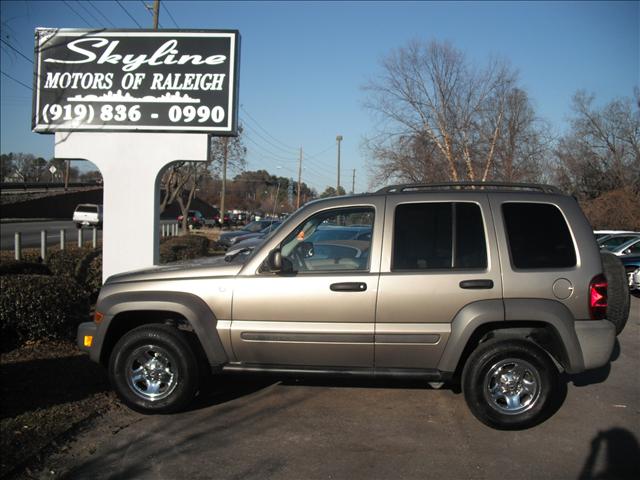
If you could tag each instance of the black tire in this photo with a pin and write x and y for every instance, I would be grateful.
(618, 301)
(164, 361)
(500, 359)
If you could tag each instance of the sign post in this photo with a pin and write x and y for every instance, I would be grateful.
(132, 102)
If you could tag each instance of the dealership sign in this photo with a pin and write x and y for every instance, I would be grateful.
(147, 81)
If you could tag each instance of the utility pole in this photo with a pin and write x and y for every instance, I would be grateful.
(338, 139)
(223, 191)
(66, 174)
(299, 178)
(353, 182)
(156, 13)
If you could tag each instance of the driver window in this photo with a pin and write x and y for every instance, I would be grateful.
(332, 240)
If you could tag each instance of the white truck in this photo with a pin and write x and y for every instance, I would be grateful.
(88, 214)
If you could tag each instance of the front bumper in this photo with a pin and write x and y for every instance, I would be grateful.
(596, 338)
(85, 330)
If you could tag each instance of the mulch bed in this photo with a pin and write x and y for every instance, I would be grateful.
(48, 390)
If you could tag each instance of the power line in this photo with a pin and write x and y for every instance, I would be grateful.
(127, 12)
(265, 131)
(15, 80)
(146, 7)
(101, 14)
(267, 140)
(269, 152)
(166, 9)
(74, 11)
(315, 155)
(81, 5)
(16, 50)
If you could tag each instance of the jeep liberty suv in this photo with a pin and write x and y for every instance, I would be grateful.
(497, 286)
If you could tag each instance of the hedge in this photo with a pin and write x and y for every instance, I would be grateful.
(14, 267)
(65, 262)
(36, 307)
(185, 247)
(28, 255)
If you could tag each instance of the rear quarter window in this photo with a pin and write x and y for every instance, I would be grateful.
(538, 236)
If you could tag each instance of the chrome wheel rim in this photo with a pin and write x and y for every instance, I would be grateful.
(512, 386)
(151, 373)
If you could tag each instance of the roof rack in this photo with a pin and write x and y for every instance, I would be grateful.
(470, 186)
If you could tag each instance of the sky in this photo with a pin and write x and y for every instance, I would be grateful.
(303, 64)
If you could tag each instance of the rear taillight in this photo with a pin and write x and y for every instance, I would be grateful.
(598, 297)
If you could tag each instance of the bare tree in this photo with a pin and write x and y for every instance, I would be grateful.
(28, 168)
(182, 180)
(601, 151)
(440, 116)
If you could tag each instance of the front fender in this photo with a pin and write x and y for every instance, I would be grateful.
(191, 307)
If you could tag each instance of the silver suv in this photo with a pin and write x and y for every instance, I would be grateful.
(497, 286)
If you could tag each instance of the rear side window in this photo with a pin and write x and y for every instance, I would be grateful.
(538, 236)
(438, 236)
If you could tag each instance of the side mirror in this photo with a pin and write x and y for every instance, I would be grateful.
(274, 261)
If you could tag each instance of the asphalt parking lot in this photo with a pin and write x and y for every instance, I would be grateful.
(301, 428)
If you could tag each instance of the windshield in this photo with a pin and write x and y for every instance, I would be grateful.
(254, 227)
(87, 208)
(614, 242)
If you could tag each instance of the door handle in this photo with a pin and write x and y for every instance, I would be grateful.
(348, 287)
(476, 284)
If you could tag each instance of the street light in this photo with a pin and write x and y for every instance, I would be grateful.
(338, 139)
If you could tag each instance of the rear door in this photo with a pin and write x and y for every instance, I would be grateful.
(439, 255)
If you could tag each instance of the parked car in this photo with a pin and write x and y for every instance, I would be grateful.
(631, 265)
(88, 214)
(195, 219)
(247, 243)
(497, 289)
(603, 234)
(631, 247)
(613, 242)
(634, 280)
(261, 234)
(254, 227)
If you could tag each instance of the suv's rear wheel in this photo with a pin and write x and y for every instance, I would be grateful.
(154, 370)
(509, 383)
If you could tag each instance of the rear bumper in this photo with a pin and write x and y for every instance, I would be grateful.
(596, 338)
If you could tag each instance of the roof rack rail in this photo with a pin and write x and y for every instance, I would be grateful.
(470, 186)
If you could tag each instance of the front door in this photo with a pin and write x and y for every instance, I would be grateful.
(323, 312)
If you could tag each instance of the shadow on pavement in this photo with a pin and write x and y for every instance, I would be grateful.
(618, 452)
(173, 441)
(226, 388)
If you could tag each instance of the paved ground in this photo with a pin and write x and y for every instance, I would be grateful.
(256, 428)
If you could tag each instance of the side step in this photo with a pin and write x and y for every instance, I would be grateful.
(430, 375)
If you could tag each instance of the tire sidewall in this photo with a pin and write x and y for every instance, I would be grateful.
(477, 368)
(171, 340)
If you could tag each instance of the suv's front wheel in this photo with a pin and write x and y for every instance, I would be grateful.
(509, 384)
(154, 370)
